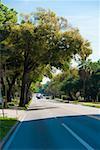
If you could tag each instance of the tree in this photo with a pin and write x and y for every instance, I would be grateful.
(43, 37)
(7, 18)
(71, 83)
(11, 64)
(85, 52)
(22, 38)
(47, 39)
(84, 70)
(92, 90)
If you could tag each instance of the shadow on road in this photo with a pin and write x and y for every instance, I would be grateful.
(41, 108)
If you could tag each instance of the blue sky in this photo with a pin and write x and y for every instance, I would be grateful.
(83, 14)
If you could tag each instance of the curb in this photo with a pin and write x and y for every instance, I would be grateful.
(8, 135)
(10, 132)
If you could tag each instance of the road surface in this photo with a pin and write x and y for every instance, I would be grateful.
(48, 125)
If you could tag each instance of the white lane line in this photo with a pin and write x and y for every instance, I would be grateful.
(77, 137)
(94, 117)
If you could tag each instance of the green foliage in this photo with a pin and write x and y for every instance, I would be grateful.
(27, 105)
(34, 88)
(90, 75)
(54, 87)
(31, 48)
(7, 15)
(48, 71)
(73, 83)
(97, 105)
(14, 102)
(7, 18)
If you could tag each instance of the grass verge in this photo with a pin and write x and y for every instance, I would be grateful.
(75, 102)
(91, 104)
(27, 105)
(5, 125)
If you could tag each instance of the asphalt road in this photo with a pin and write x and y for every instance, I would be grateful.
(50, 126)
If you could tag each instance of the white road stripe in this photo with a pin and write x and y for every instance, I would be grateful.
(94, 117)
(77, 137)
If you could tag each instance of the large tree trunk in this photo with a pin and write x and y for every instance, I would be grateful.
(70, 95)
(27, 69)
(84, 94)
(9, 91)
(24, 79)
(27, 91)
(9, 95)
(3, 86)
(23, 89)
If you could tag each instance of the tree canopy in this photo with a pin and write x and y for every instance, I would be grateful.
(30, 49)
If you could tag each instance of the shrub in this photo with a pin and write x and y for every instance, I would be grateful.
(10, 104)
(64, 97)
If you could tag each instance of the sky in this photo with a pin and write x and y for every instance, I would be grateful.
(83, 14)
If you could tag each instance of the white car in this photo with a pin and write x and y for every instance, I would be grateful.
(39, 96)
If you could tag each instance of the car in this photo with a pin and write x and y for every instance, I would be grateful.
(47, 97)
(39, 96)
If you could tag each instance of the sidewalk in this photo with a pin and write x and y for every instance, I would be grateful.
(12, 113)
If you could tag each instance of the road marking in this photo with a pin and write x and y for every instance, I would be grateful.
(94, 117)
(77, 137)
